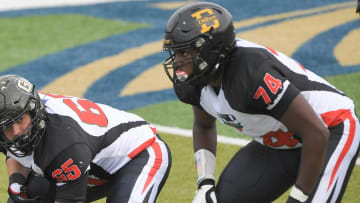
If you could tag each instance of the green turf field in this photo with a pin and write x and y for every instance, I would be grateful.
(181, 184)
(27, 38)
(21, 42)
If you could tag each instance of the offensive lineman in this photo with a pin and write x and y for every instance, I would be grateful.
(85, 150)
(305, 131)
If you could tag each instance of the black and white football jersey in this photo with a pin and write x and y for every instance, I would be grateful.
(258, 86)
(81, 138)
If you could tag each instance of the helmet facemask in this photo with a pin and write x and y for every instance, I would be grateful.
(205, 27)
(200, 66)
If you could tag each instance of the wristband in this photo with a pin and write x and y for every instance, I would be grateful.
(17, 178)
(298, 194)
(205, 162)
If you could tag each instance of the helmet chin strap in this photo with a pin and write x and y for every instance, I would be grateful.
(215, 73)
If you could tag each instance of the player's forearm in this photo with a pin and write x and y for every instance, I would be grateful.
(312, 159)
(15, 167)
(205, 138)
(204, 131)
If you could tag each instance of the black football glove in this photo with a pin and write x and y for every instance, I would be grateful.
(206, 192)
(17, 190)
(358, 7)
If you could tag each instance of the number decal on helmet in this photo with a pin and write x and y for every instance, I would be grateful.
(203, 20)
(24, 85)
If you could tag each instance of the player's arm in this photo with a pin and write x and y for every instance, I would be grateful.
(17, 181)
(69, 170)
(301, 119)
(14, 166)
(204, 141)
(204, 131)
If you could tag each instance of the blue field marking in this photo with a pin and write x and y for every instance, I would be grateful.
(315, 54)
(46, 69)
(104, 89)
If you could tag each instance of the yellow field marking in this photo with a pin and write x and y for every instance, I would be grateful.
(145, 82)
(347, 52)
(76, 82)
(288, 36)
(170, 5)
(263, 19)
(285, 36)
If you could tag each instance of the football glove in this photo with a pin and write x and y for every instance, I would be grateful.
(17, 190)
(358, 7)
(297, 196)
(206, 192)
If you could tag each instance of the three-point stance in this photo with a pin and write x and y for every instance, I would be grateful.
(305, 131)
(77, 150)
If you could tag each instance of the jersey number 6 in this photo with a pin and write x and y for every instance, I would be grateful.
(85, 109)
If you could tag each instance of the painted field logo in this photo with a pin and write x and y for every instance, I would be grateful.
(120, 68)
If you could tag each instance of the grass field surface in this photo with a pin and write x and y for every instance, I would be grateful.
(181, 184)
(46, 44)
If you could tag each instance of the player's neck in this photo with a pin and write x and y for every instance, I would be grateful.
(216, 85)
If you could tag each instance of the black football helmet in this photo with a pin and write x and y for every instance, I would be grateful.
(205, 27)
(18, 96)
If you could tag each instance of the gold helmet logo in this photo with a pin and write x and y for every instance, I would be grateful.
(166, 42)
(206, 21)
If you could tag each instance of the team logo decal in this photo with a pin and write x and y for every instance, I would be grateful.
(230, 120)
(25, 85)
(207, 19)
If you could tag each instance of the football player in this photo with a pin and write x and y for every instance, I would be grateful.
(305, 131)
(77, 150)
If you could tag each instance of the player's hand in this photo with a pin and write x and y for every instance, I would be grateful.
(17, 190)
(18, 194)
(206, 192)
(358, 7)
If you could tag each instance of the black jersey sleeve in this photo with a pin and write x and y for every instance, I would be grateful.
(70, 172)
(270, 92)
(254, 83)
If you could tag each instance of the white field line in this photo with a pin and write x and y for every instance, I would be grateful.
(220, 138)
(6, 5)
